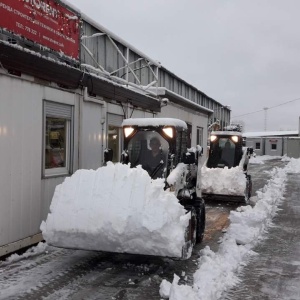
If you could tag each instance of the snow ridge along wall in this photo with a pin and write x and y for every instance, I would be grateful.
(117, 209)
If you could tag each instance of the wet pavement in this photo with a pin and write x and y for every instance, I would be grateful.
(275, 272)
(68, 274)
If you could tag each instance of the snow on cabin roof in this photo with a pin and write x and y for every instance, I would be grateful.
(154, 122)
(271, 133)
(226, 133)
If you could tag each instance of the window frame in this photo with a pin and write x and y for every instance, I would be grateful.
(69, 143)
(259, 144)
(273, 144)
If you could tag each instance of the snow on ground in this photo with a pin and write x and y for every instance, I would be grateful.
(218, 271)
(259, 159)
(33, 251)
(117, 209)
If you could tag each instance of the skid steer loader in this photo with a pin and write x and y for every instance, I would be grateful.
(177, 164)
(147, 204)
(225, 171)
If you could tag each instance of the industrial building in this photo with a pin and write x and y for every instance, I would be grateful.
(66, 85)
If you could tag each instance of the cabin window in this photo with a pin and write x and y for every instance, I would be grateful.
(257, 146)
(273, 146)
(200, 136)
(58, 119)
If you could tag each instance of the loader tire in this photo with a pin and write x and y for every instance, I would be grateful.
(200, 227)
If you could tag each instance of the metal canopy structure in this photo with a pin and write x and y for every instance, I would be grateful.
(127, 68)
(107, 55)
(17, 61)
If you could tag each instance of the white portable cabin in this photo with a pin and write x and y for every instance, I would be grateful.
(292, 147)
(257, 143)
(274, 146)
(275, 143)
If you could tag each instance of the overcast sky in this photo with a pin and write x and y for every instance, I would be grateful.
(242, 53)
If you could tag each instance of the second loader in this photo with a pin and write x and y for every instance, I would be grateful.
(224, 174)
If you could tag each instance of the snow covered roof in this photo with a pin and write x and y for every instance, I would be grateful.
(226, 133)
(271, 133)
(154, 122)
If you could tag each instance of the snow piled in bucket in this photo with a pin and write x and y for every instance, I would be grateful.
(223, 181)
(118, 209)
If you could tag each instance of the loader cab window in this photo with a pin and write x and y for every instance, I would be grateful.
(149, 150)
(222, 153)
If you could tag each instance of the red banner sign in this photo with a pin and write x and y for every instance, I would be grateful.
(45, 22)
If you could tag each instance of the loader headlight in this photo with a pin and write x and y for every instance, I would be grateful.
(213, 138)
(168, 131)
(235, 138)
(128, 131)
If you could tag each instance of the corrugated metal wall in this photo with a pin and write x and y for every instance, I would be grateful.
(179, 86)
(108, 57)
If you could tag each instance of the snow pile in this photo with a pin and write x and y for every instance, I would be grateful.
(223, 181)
(293, 166)
(33, 251)
(259, 159)
(175, 176)
(218, 271)
(118, 209)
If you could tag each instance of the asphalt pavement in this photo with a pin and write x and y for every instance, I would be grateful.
(275, 272)
(68, 274)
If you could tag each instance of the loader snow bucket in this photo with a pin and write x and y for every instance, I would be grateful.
(117, 209)
(224, 184)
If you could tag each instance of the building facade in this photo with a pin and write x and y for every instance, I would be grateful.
(66, 85)
(276, 143)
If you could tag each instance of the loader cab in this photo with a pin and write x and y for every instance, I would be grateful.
(226, 149)
(155, 144)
